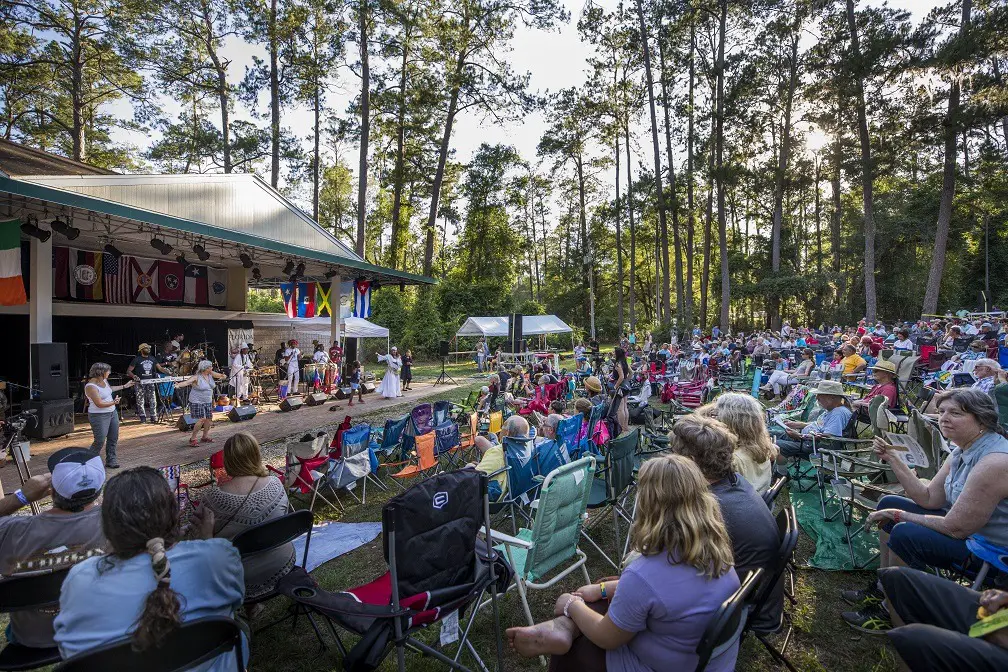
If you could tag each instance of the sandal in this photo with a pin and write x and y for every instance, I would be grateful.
(206, 439)
(193, 443)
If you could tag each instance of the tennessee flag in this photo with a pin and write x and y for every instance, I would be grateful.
(306, 299)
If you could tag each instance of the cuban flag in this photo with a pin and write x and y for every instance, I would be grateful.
(288, 291)
(362, 298)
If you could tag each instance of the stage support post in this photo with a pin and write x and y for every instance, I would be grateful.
(237, 289)
(335, 301)
(40, 299)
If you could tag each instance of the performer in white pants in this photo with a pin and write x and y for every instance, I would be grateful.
(240, 367)
(293, 366)
(391, 387)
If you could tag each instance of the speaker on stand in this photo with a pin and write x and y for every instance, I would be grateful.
(444, 378)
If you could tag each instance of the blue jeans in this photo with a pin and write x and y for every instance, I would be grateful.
(105, 427)
(918, 546)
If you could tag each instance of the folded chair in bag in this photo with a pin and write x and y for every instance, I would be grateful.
(437, 566)
(617, 478)
(553, 540)
(355, 462)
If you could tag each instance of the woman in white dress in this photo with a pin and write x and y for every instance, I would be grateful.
(391, 387)
(240, 367)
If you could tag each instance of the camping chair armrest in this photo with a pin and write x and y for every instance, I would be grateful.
(500, 471)
(507, 539)
(278, 472)
(868, 464)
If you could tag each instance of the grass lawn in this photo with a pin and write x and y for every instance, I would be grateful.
(821, 640)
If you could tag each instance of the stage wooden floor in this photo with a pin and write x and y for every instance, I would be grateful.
(163, 444)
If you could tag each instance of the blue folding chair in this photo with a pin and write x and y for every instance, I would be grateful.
(550, 456)
(567, 432)
(440, 411)
(990, 555)
(519, 460)
(447, 443)
(356, 462)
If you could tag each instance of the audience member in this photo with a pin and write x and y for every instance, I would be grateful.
(72, 524)
(251, 497)
(830, 396)
(885, 385)
(986, 373)
(150, 582)
(492, 458)
(853, 363)
(755, 451)
(653, 616)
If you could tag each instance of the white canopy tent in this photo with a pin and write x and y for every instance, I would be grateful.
(350, 327)
(532, 325)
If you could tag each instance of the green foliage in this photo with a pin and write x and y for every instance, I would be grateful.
(424, 328)
(265, 301)
(388, 308)
(458, 299)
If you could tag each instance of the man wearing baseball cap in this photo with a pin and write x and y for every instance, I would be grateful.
(72, 524)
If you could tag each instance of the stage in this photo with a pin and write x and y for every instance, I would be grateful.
(163, 444)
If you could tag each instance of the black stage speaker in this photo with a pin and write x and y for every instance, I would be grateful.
(49, 370)
(442, 348)
(185, 423)
(53, 417)
(343, 393)
(239, 413)
(368, 386)
(291, 404)
(514, 333)
(316, 398)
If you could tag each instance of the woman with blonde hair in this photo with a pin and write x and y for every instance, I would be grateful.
(251, 497)
(653, 616)
(754, 449)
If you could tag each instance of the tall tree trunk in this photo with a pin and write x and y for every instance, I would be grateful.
(867, 167)
(677, 245)
(709, 215)
(442, 161)
(948, 182)
(631, 297)
(585, 248)
(722, 225)
(619, 222)
(782, 167)
(274, 96)
(995, 61)
(77, 88)
(317, 154)
(818, 220)
(691, 213)
(837, 213)
(662, 221)
(397, 245)
(362, 166)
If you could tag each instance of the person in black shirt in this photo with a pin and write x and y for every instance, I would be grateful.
(278, 358)
(145, 367)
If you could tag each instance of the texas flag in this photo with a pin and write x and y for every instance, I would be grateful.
(306, 299)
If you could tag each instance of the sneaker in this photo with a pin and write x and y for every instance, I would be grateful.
(868, 595)
(872, 620)
(111, 465)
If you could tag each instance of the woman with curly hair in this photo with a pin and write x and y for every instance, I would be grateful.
(132, 591)
(653, 616)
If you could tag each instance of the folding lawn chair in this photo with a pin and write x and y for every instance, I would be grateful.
(30, 592)
(519, 454)
(567, 432)
(553, 540)
(448, 444)
(550, 455)
(388, 440)
(421, 422)
(422, 462)
(467, 439)
(440, 411)
(725, 628)
(437, 567)
(496, 422)
(354, 462)
(990, 556)
(618, 476)
(305, 470)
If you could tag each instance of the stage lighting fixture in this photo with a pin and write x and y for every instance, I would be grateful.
(161, 246)
(113, 250)
(299, 271)
(181, 259)
(29, 228)
(256, 273)
(289, 268)
(64, 229)
(329, 275)
(292, 279)
(245, 259)
(200, 251)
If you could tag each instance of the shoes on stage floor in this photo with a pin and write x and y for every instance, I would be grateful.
(208, 439)
(193, 443)
(111, 465)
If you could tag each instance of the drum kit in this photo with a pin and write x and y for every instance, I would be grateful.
(189, 359)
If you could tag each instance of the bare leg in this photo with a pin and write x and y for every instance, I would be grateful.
(552, 638)
(207, 422)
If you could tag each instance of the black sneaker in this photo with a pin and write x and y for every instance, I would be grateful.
(872, 620)
(111, 465)
(862, 598)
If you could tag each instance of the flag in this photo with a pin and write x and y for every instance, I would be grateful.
(85, 279)
(362, 298)
(61, 272)
(306, 299)
(144, 285)
(171, 281)
(12, 291)
(196, 291)
(288, 290)
(118, 281)
(324, 290)
(217, 286)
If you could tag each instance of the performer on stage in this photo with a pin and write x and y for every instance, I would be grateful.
(169, 357)
(103, 412)
(240, 367)
(145, 367)
(293, 356)
(321, 361)
(391, 387)
(201, 399)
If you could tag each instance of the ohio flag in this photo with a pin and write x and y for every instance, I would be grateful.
(362, 298)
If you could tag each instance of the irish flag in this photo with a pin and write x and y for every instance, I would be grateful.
(11, 286)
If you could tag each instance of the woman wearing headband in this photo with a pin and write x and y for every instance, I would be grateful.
(150, 582)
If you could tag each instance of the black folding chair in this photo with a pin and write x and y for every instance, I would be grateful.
(28, 593)
(191, 644)
(724, 630)
(770, 496)
(611, 489)
(787, 527)
(268, 536)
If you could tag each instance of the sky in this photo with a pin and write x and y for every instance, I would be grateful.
(554, 59)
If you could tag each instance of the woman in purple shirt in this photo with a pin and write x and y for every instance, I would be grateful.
(652, 618)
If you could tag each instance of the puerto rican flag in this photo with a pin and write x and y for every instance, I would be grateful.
(288, 291)
(362, 298)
